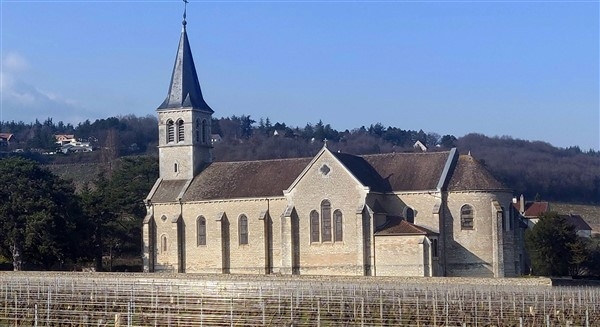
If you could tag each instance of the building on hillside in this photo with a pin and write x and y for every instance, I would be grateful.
(419, 145)
(62, 139)
(394, 214)
(5, 139)
(530, 212)
(582, 228)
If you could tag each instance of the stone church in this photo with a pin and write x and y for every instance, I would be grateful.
(394, 214)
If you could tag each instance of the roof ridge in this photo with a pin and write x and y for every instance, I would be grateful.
(402, 153)
(262, 160)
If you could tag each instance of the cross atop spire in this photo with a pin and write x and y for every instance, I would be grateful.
(185, 2)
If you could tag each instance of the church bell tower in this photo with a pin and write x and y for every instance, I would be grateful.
(184, 119)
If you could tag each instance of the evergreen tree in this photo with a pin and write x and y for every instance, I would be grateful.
(551, 244)
(38, 215)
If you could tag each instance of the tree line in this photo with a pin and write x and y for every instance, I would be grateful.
(533, 168)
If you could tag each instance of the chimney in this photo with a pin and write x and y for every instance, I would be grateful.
(522, 205)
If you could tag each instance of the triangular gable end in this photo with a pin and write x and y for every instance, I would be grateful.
(311, 164)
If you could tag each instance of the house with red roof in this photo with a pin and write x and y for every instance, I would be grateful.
(5, 139)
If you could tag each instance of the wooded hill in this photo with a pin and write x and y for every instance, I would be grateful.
(536, 169)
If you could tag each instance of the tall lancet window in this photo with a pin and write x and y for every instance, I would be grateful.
(201, 231)
(243, 229)
(314, 226)
(325, 221)
(180, 131)
(337, 226)
(204, 131)
(170, 131)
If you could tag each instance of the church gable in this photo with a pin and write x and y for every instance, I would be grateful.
(322, 170)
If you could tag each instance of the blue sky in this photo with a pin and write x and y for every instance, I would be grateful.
(526, 69)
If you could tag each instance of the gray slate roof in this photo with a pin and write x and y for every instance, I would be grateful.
(184, 90)
(380, 172)
(470, 174)
(245, 179)
(397, 171)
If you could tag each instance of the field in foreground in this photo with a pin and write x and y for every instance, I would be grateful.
(81, 299)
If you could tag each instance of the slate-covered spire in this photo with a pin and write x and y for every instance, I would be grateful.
(184, 90)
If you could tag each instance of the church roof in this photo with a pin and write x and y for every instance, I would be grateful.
(398, 171)
(184, 90)
(397, 226)
(168, 190)
(380, 172)
(245, 179)
(470, 174)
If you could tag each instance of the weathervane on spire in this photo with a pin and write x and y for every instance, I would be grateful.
(185, 2)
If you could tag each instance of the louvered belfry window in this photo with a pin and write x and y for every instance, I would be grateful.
(180, 131)
(410, 215)
(170, 131)
(198, 130)
(204, 131)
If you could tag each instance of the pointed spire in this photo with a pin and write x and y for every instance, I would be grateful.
(184, 90)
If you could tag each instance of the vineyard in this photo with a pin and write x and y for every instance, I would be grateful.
(77, 299)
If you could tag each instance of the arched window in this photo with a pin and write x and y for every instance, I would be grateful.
(170, 131)
(180, 131)
(205, 131)
(201, 231)
(163, 244)
(325, 221)
(434, 247)
(410, 215)
(314, 226)
(243, 229)
(198, 130)
(337, 226)
(466, 217)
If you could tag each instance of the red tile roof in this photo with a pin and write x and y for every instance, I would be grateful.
(533, 209)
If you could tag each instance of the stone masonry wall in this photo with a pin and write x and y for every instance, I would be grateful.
(344, 193)
(400, 255)
(471, 252)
